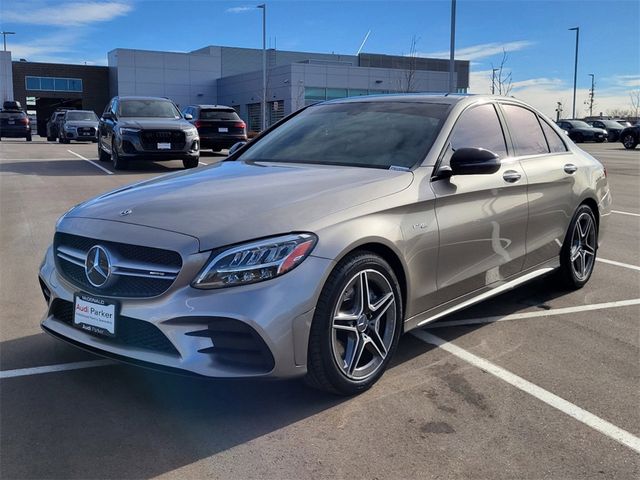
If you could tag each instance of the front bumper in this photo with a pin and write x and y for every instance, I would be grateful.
(279, 311)
(73, 134)
(130, 146)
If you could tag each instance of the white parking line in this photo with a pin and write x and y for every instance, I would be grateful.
(91, 162)
(626, 213)
(618, 264)
(23, 372)
(610, 430)
(537, 313)
(202, 163)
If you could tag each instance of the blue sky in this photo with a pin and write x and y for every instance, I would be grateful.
(535, 35)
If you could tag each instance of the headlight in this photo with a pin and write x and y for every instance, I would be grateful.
(124, 130)
(256, 261)
(191, 132)
(69, 127)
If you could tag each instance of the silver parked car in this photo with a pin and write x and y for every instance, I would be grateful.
(311, 249)
(79, 125)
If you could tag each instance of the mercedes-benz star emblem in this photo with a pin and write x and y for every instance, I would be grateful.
(126, 212)
(97, 266)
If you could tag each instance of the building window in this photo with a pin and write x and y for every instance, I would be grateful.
(333, 93)
(54, 84)
(254, 112)
(314, 94)
(358, 92)
(276, 111)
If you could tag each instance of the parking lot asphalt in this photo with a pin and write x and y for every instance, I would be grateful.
(535, 383)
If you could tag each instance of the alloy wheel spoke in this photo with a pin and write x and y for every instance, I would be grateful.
(364, 295)
(377, 345)
(575, 253)
(345, 321)
(382, 305)
(582, 264)
(355, 354)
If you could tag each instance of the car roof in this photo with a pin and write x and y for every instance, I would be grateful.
(136, 97)
(213, 107)
(83, 111)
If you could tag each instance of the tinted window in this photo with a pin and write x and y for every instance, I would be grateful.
(479, 127)
(210, 114)
(82, 116)
(579, 124)
(367, 134)
(553, 139)
(148, 108)
(525, 130)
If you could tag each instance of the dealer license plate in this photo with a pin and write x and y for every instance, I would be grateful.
(164, 146)
(223, 129)
(95, 315)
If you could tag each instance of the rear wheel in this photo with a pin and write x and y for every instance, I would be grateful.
(51, 139)
(356, 326)
(629, 141)
(118, 162)
(28, 137)
(578, 254)
(191, 162)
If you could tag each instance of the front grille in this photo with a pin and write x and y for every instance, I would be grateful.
(235, 343)
(86, 131)
(137, 271)
(129, 331)
(151, 138)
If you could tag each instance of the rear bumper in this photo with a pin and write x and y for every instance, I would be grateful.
(15, 132)
(216, 141)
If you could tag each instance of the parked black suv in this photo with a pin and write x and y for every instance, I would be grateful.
(146, 128)
(580, 131)
(630, 137)
(218, 126)
(14, 122)
(612, 127)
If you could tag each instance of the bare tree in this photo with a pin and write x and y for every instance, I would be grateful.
(619, 112)
(503, 83)
(406, 79)
(634, 95)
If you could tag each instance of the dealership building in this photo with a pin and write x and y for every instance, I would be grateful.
(222, 75)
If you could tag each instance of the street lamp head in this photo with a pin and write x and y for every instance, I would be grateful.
(262, 5)
(575, 28)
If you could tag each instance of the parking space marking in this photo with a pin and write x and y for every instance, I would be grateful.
(618, 264)
(61, 367)
(538, 313)
(91, 162)
(202, 163)
(626, 213)
(610, 430)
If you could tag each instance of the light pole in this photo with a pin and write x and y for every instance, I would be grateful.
(4, 38)
(452, 47)
(493, 81)
(592, 94)
(575, 71)
(264, 64)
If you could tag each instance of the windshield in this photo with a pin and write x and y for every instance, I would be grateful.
(148, 108)
(611, 124)
(579, 124)
(218, 115)
(82, 116)
(366, 134)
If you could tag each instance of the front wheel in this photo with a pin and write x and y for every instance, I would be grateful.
(191, 162)
(629, 141)
(102, 155)
(118, 162)
(356, 326)
(578, 253)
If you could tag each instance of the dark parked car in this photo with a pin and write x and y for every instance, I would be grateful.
(80, 125)
(146, 128)
(630, 137)
(580, 131)
(14, 123)
(218, 126)
(53, 125)
(612, 127)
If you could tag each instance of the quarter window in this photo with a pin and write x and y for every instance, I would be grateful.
(553, 139)
(525, 131)
(479, 127)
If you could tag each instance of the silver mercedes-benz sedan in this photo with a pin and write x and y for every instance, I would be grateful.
(311, 249)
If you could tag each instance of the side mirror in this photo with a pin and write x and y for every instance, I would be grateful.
(188, 116)
(474, 161)
(236, 147)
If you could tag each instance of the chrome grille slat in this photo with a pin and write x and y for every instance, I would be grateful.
(137, 271)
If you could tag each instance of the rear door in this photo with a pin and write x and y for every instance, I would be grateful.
(482, 218)
(550, 175)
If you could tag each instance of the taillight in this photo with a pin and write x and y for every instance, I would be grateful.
(24, 121)
(240, 125)
(197, 124)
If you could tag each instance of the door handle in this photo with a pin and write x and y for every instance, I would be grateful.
(511, 176)
(570, 168)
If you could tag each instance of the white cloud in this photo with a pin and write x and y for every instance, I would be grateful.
(239, 9)
(68, 14)
(483, 50)
(56, 48)
(625, 80)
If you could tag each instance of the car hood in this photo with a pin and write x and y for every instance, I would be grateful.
(153, 123)
(82, 123)
(232, 202)
(588, 130)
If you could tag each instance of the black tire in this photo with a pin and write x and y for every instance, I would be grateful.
(567, 276)
(28, 137)
(51, 139)
(216, 150)
(629, 141)
(601, 140)
(191, 162)
(323, 371)
(102, 155)
(118, 162)
(578, 138)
